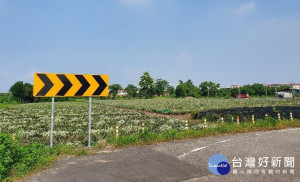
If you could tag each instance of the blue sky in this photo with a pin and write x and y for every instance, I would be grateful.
(228, 42)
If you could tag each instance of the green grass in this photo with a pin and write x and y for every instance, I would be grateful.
(5, 105)
(18, 160)
(149, 137)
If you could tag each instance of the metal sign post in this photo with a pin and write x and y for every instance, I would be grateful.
(52, 120)
(70, 85)
(90, 121)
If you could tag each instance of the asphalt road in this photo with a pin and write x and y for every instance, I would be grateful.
(186, 160)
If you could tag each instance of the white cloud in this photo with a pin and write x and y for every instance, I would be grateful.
(245, 8)
(137, 3)
(184, 57)
(4, 73)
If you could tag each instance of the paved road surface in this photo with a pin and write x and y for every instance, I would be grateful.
(184, 160)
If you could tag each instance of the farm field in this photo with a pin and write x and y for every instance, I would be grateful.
(31, 122)
(188, 105)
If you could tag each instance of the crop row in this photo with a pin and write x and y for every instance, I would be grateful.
(183, 106)
(31, 122)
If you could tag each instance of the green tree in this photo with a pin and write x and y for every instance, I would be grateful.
(191, 89)
(113, 89)
(259, 89)
(248, 89)
(209, 89)
(234, 91)
(186, 89)
(282, 88)
(18, 91)
(147, 88)
(180, 90)
(224, 92)
(270, 90)
(170, 90)
(22, 91)
(131, 90)
(28, 92)
(161, 86)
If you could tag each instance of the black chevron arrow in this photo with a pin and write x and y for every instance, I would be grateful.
(67, 85)
(102, 85)
(85, 85)
(48, 85)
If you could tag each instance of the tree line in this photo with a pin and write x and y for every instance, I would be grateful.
(160, 87)
(23, 93)
(148, 88)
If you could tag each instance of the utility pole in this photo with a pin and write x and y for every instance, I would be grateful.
(9, 92)
(208, 91)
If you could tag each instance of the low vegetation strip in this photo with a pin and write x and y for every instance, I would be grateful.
(149, 137)
(17, 159)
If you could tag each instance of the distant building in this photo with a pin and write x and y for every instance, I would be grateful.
(122, 93)
(295, 86)
(234, 86)
(292, 85)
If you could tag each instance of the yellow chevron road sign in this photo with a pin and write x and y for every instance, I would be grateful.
(69, 85)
